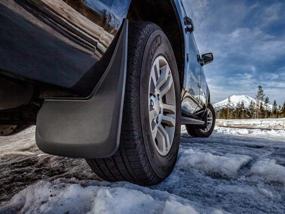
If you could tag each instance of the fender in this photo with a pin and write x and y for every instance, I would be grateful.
(61, 46)
(88, 128)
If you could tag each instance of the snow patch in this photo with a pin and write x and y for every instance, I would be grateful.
(269, 170)
(224, 166)
(272, 134)
(18, 143)
(183, 129)
(269, 123)
(58, 197)
(176, 207)
(266, 192)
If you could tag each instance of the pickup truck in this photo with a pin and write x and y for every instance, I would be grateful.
(108, 81)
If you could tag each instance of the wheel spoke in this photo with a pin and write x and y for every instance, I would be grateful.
(164, 139)
(167, 86)
(154, 131)
(157, 70)
(168, 120)
(151, 115)
(163, 77)
(169, 108)
(153, 76)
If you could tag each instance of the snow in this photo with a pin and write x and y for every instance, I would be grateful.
(175, 207)
(224, 166)
(271, 123)
(236, 170)
(269, 170)
(22, 164)
(273, 134)
(234, 100)
(256, 128)
(121, 198)
(20, 143)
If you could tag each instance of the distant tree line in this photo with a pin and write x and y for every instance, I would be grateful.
(259, 109)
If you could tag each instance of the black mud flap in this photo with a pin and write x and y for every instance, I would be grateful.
(88, 128)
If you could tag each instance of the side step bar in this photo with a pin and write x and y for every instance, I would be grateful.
(192, 121)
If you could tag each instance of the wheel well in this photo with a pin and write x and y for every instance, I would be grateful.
(164, 15)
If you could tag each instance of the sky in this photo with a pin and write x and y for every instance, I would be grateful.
(247, 38)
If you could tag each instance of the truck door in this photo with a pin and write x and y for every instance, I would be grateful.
(192, 72)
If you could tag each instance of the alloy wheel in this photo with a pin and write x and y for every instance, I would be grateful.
(162, 105)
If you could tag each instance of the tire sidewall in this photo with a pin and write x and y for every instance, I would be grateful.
(199, 132)
(158, 45)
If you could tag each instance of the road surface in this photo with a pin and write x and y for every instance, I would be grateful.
(234, 171)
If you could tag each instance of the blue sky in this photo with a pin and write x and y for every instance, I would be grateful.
(248, 41)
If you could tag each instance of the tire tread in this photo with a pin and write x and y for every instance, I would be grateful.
(130, 162)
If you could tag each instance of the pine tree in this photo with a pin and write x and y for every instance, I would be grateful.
(242, 106)
(261, 111)
(260, 93)
(223, 113)
(228, 108)
(251, 109)
(237, 112)
(267, 110)
(274, 109)
(219, 114)
(279, 111)
(259, 99)
(283, 110)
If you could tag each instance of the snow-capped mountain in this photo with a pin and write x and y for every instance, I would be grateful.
(234, 100)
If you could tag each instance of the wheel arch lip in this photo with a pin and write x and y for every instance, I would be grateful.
(56, 53)
(172, 26)
(180, 21)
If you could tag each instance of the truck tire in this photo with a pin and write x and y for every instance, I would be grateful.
(150, 132)
(205, 132)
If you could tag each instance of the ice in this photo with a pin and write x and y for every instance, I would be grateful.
(269, 170)
(224, 166)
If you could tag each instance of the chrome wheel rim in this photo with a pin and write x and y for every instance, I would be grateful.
(162, 105)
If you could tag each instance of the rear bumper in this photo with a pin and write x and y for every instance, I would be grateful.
(56, 43)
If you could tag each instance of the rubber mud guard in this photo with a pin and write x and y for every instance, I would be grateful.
(88, 128)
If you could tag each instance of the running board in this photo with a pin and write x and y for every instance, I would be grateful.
(192, 121)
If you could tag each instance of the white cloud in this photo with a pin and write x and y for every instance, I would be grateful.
(244, 51)
(272, 13)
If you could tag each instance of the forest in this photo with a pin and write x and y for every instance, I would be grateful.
(261, 108)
